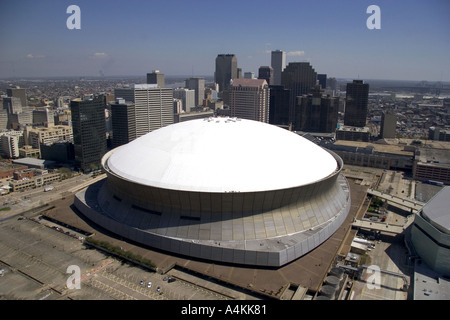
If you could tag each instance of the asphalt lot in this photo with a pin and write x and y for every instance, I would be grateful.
(388, 254)
(36, 266)
(35, 257)
(244, 282)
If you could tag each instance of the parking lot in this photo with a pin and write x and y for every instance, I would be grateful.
(35, 266)
(35, 256)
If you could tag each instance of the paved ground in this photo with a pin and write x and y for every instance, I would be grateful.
(35, 258)
(389, 254)
(280, 283)
(49, 252)
(35, 255)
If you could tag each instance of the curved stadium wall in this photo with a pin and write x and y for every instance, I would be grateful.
(265, 228)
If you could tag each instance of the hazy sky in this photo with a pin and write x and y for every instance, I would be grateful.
(183, 37)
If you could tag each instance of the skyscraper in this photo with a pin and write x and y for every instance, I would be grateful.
(316, 112)
(187, 97)
(278, 63)
(249, 75)
(388, 125)
(266, 73)
(43, 116)
(299, 78)
(249, 99)
(226, 70)
(89, 131)
(20, 93)
(157, 78)
(123, 118)
(279, 105)
(124, 93)
(197, 84)
(12, 105)
(322, 78)
(154, 107)
(357, 98)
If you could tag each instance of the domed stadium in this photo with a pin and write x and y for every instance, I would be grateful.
(430, 233)
(221, 189)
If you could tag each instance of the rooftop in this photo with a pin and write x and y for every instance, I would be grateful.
(222, 155)
(249, 82)
(437, 210)
(377, 147)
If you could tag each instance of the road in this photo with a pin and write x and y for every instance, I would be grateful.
(19, 202)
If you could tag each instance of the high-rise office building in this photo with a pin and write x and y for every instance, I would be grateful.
(279, 105)
(123, 120)
(20, 93)
(322, 78)
(299, 78)
(226, 70)
(332, 83)
(43, 117)
(388, 127)
(249, 99)
(356, 101)
(4, 119)
(187, 98)
(249, 75)
(12, 105)
(89, 132)
(278, 63)
(157, 78)
(316, 112)
(9, 145)
(124, 93)
(266, 73)
(154, 107)
(197, 84)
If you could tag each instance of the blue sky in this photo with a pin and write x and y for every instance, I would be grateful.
(183, 37)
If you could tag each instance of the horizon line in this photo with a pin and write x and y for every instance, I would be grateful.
(199, 76)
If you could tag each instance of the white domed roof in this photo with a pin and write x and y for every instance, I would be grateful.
(222, 155)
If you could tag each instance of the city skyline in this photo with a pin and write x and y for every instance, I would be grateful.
(184, 38)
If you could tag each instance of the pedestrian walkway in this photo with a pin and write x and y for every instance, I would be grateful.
(406, 202)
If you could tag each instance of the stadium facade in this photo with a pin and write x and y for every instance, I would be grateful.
(221, 189)
(430, 233)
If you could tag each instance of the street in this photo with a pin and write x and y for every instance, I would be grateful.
(19, 202)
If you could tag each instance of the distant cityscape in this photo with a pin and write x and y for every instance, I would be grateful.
(52, 129)
(292, 96)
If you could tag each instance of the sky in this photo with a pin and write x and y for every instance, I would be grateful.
(184, 37)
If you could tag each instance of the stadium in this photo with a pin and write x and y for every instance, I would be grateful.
(430, 233)
(221, 189)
